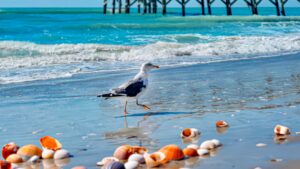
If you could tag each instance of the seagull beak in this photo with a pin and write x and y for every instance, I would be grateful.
(155, 66)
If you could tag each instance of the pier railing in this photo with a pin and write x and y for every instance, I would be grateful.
(150, 6)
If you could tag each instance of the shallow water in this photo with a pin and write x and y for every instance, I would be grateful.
(251, 95)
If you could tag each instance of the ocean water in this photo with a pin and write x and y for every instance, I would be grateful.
(243, 69)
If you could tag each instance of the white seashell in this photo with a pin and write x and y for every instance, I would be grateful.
(155, 159)
(137, 157)
(216, 142)
(208, 145)
(261, 145)
(35, 159)
(193, 146)
(202, 152)
(61, 154)
(106, 160)
(47, 154)
(131, 165)
(192, 132)
(281, 130)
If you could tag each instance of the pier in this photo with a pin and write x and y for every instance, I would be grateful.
(151, 6)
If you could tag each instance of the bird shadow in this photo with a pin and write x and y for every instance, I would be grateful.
(154, 114)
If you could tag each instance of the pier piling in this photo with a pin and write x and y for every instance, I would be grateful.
(276, 4)
(120, 6)
(201, 2)
(104, 6)
(113, 6)
(283, 2)
(209, 3)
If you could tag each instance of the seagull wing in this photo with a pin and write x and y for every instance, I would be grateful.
(131, 88)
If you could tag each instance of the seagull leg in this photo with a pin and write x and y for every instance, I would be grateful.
(125, 109)
(143, 105)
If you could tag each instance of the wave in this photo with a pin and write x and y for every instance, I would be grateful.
(24, 61)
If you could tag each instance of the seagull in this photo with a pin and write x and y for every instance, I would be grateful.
(134, 88)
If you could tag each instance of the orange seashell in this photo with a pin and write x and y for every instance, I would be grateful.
(123, 152)
(138, 149)
(190, 133)
(5, 165)
(190, 152)
(50, 143)
(281, 130)
(172, 152)
(8, 149)
(155, 159)
(221, 124)
(14, 158)
(29, 151)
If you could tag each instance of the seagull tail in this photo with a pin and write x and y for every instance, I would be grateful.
(109, 95)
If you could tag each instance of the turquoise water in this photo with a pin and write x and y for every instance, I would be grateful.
(242, 69)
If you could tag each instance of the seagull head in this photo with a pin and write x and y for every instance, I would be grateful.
(148, 66)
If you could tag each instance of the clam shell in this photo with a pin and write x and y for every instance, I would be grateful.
(14, 158)
(137, 157)
(193, 146)
(202, 152)
(5, 165)
(28, 151)
(123, 152)
(50, 143)
(114, 165)
(8, 149)
(190, 133)
(190, 152)
(172, 152)
(61, 154)
(155, 159)
(48, 154)
(131, 165)
(208, 145)
(106, 160)
(281, 130)
(221, 124)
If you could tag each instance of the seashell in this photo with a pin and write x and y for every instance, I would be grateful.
(190, 133)
(207, 145)
(216, 142)
(261, 145)
(5, 165)
(106, 160)
(61, 154)
(123, 152)
(28, 151)
(281, 130)
(35, 159)
(79, 167)
(190, 152)
(172, 152)
(193, 146)
(48, 154)
(202, 152)
(8, 149)
(131, 165)
(50, 143)
(114, 165)
(138, 149)
(137, 157)
(14, 158)
(221, 124)
(155, 159)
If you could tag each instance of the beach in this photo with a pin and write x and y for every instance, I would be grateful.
(241, 69)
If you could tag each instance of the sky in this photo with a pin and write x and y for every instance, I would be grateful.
(98, 3)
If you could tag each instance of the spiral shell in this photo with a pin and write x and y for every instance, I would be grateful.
(8, 149)
(190, 133)
(155, 159)
(172, 152)
(50, 143)
(190, 152)
(281, 130)
(221, 124)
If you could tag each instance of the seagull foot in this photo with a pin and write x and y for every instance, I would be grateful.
(125, 113)
(146, 107)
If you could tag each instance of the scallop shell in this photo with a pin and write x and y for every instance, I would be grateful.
(208, 145)
(5, 165)
(123, 152)
(48, 154)
(281, 130)
(114, 165)
(172, 152)
(190, 133)
(137, 157)
(193, 146)
(28, 151)
(14, 158)
(221, 124)
(202, 152)
(190, 152)
(50, 143)
(131, 165)
(8, 149)
(155, 159)
(61, 154)
(106, 160)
